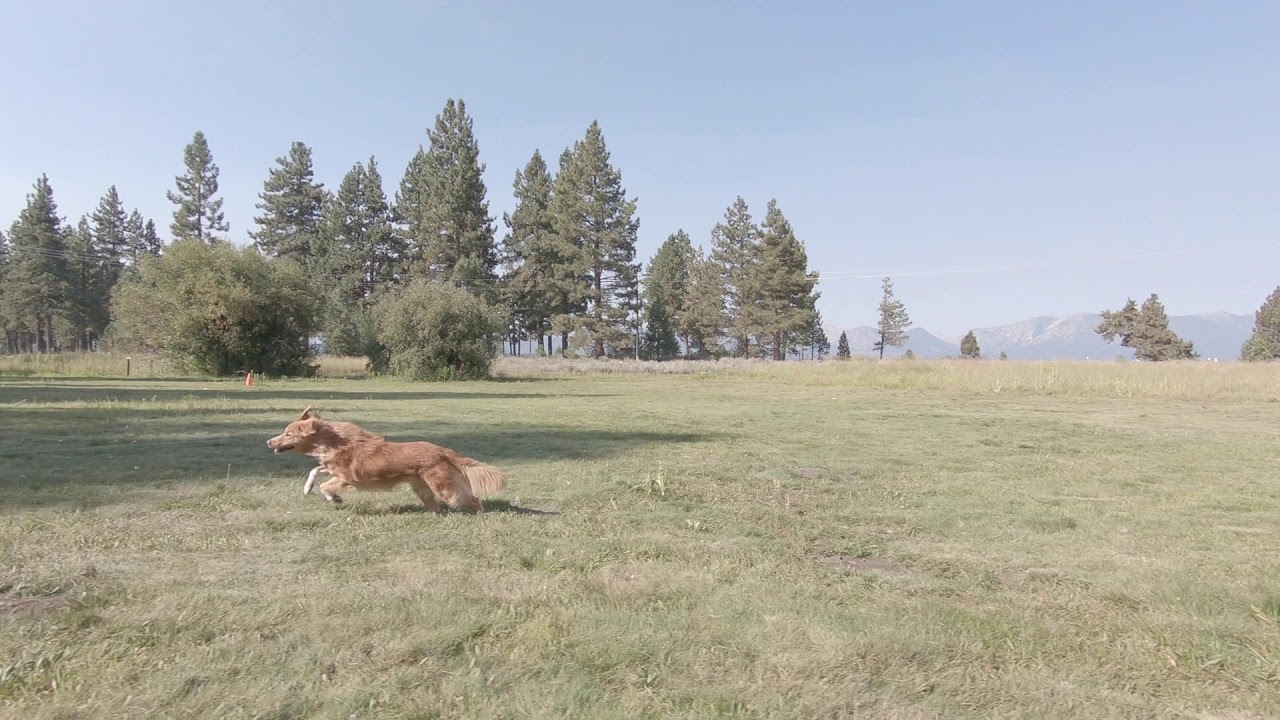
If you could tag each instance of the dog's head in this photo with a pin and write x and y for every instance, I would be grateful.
(299, 435)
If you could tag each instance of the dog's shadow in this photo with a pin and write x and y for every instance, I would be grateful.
(503, 506)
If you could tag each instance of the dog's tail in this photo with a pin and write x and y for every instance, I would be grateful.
(484, 479)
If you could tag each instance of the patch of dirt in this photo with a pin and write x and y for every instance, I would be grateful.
(36, 606)
(789, 500)
(811, 473)
(874, 566)
(1022, 577)
(238, 517)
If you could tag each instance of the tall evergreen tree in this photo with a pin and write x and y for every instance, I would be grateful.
(199, 213)
(408, 213)
(1264, 343)
(85, 311)
(969, 347)
(783, 287)
(842, 347)
(735, 247)
(445, 208)
(702, 320)
(660, 342)
(1146, 330)
(141, 238)
(591, 213)
(666, 295)
(816, 337)
(356, 255)
(291, 207)
(566, 277)
(893, 322)
(110, 240)
(528, 251)
(36, 283)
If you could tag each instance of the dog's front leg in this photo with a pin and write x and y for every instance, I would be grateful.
(311, 479)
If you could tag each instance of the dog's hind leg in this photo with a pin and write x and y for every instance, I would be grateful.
(330, 490)
(424, 493)
(451, 485)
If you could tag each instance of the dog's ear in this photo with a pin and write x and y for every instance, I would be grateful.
(306, 413)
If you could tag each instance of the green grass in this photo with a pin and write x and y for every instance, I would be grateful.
(896, 540)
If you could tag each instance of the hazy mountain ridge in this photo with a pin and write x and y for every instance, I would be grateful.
(1071, 337)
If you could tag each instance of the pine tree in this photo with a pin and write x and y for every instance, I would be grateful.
(666, 295)
(969, 347)
(527, 250)
(566, 276)
(444, 210)
(591, 214)
(735, 244)
(291, 207)
(1264, 343)
(842, 347)
(893, 321)
(409, 210)
(816, 337)
(783, 287)
(85, 313)
(660, 341)
(702, 321)
(356, 254)
(140, 239)
(199, 213)
(36, 283)
(1146, 330)
(110, 240)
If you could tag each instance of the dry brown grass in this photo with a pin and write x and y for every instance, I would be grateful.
(1252, 382)
(1179, 380)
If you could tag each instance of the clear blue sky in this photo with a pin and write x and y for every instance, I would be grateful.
(1011, 136)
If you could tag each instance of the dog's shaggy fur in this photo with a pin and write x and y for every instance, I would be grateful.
(359, 459)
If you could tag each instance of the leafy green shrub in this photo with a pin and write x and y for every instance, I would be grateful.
(433, 331)
(219, 309)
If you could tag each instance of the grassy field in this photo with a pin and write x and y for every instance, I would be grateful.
(895, 540)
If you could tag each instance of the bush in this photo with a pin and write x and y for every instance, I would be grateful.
(433, 331)
(349, 330)
(219, 310)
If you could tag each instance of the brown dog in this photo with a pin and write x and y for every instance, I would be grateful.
(359, 459)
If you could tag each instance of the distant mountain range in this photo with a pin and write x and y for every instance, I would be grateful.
(1215, 336)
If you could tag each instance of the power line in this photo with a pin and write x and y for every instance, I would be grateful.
(822, 274)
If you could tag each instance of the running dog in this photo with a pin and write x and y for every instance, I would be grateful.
(359, 459)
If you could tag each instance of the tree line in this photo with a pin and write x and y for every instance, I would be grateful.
(563, 266)
(56, 278)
